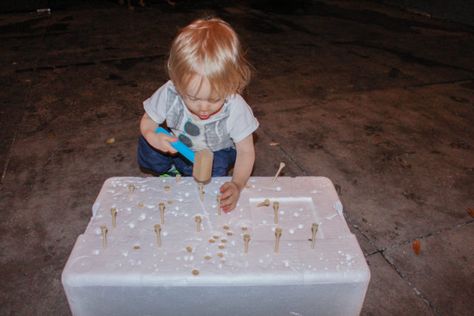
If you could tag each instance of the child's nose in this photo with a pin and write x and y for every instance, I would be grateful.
(204, 106)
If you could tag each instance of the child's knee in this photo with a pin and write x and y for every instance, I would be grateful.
(220, 172)
(151, 159)
(224, 160)
(185, 168)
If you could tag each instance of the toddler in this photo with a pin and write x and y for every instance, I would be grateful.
(203, 108)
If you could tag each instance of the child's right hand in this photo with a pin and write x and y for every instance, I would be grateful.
(161, 141)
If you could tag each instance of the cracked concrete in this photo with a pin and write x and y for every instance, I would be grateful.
(378, 100)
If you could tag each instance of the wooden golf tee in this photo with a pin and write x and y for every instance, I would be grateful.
(314, 230)
(276, 206)
(158, 234)
(282, 165)
(198, 221)
(277, 239)
(265, 202)
(104, 230)
(218, 198)
(162, 212)
(246, 243)
(113, 212)
(201, 190)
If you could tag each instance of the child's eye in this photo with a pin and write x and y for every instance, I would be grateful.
(192, 98)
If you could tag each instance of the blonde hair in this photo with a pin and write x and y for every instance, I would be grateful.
(209, 48)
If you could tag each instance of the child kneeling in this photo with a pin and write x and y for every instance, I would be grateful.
(202, 106)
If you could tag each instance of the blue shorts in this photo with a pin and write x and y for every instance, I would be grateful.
(157, 162)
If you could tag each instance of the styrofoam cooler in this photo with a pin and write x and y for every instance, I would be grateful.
(207, 272)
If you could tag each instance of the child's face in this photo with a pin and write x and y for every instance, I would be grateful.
(199, 98)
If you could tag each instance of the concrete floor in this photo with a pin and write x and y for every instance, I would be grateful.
(378, 100)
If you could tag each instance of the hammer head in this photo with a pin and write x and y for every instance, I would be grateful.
(202, 169)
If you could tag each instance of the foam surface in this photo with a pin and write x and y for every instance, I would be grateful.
(216, 253)
(208, 272)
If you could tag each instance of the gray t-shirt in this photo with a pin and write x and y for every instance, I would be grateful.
(230, 125)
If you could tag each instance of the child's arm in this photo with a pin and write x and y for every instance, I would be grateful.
(230, 191)
(158, 141)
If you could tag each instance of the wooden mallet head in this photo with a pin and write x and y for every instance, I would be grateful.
(202, 169)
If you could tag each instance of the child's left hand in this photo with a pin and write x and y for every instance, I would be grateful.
(230, 194)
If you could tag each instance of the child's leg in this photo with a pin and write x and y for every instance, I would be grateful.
(223, 160)
(151, 159)
(184, 166)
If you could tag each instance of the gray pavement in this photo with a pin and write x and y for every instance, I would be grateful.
(378, 100)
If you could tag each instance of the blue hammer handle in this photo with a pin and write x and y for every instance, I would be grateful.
(178, 145)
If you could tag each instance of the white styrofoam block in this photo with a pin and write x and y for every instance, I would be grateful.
(133, 276)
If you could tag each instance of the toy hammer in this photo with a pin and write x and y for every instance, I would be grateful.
(202, 160)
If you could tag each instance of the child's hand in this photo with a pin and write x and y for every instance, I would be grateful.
(161, 141)
(230, 194)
